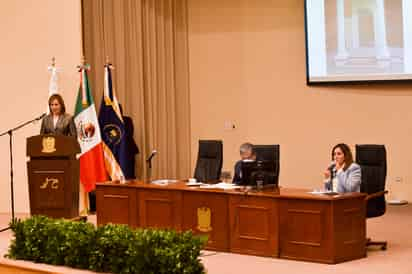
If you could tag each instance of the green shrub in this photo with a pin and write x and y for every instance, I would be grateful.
(109, 248)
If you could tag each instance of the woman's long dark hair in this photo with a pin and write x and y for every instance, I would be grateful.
(347, 154)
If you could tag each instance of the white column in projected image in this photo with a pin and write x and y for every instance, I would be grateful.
(380, 31)
(355, 28)
(407, 35)
(316, 38)
(340, 10)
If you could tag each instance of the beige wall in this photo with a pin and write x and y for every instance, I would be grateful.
(32, 32)
(247, 65)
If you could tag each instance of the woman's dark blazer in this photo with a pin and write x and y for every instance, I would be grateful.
(64, 126)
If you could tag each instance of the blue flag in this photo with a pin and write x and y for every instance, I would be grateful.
(118, 144)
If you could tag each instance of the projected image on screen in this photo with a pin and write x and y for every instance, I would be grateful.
(359, 40)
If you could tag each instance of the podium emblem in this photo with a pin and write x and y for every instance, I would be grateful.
(49, 145)
(204, 215)
(54, 183)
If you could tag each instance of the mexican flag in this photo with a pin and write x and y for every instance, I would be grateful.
(92, 167)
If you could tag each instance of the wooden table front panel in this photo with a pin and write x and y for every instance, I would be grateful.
(160, 208)
(306, 230)
(350, 229)
(291, 224)
(215, 224)
(116, 205)
(253, 225)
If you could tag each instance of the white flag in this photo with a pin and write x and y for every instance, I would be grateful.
(53, 83)
(53, 87)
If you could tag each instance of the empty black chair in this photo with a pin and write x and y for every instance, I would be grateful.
(372, 159)
(269, 153)
(209, 160)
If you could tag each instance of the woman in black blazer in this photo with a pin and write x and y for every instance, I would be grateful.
(58, 122)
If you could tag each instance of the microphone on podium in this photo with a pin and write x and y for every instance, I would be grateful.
(41, 117)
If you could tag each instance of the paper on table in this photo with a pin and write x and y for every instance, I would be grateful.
(221, 185)
(194, 183)
(163, 182)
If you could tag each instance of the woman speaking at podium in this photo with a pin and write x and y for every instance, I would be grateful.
(58, 122)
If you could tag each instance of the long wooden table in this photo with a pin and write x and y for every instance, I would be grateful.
(279, 222)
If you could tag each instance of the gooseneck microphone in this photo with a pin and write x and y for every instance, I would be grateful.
(331, 170)
(149, 159)
(41, 117)
(154, 152)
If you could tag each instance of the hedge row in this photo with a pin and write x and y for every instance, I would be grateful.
(109, 248)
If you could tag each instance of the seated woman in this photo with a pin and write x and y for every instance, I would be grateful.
(58, 122)
(343, 175)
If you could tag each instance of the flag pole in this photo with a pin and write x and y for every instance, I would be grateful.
(85, 204)
(83, 66)
(80, 68)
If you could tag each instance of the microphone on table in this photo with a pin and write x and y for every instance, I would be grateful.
(149, 159)
(331, 169)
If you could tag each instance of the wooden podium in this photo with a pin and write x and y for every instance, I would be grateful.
(53, 174)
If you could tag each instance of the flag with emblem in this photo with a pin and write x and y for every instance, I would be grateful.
(115, 140)
(92, 167)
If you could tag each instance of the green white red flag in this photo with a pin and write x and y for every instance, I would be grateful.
(92, 168)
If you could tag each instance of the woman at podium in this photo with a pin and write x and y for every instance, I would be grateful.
(58, 122)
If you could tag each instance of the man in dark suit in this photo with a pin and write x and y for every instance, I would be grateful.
(246, 154)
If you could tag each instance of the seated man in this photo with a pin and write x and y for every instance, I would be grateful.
(246, 154)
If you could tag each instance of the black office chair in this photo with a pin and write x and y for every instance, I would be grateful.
(372, 159)
(269, 153)
(209, 160)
